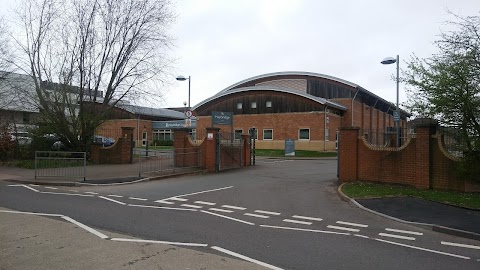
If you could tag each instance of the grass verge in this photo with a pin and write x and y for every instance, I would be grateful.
(361, 190)
(298, 153)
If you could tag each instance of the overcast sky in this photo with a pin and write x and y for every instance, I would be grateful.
(221, 42)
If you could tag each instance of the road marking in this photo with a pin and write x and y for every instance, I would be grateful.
(159, 242)
(402, 231)
(192, 206)
(177, 199)
(397, 236)
(231, 253)
(116, 196)
(234, 219)
(298, 221)
(25, 186)
(85, 227)
(162, 207)
(165, 202)
(424, 249)
(352, 224)
(205, 191)
(138, 199)
(267, 212)
(73, 190)
(303, 230)
(362, 236)
(112, 200)
(205, 203)
(308, 218)
(255, 215)
(62, 193)
(31, 213)
(51, 187)
(234, 207)
(343, 228)
(221, 210)
(459, 245)
(89, 192)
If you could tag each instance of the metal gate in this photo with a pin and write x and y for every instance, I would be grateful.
(169, 161)
(50, 164)
(229, 151)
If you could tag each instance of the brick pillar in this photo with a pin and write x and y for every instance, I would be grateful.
(180, 137)
(348, 154)
(246, 150)
(210, 149)
(424, 130)
(127, 145)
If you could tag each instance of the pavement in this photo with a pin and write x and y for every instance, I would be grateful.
(26, 231)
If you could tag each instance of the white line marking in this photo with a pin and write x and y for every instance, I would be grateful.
(205, 191)
(231, 253)
(298, 221)
(234, 219)
(138, 199)
(234, 207)
(459, 245)
(424, 249)
(116, 196)
(352, 224)
(221, 210)
(112, 200)
(177, 199)
(62, 193)
(31, 213)
(308, 218)
(89, 192)
(255, 215)
(192, 206)
(362, 236)
(267, 212)
(402, 231)
(343, 228)
(165, 202)
(51, 187)
(85, 227)
(25, 186)
(161, 207)
(397, 236)
(303, 230)
(205, 203)
(15, 185)
(159, 242)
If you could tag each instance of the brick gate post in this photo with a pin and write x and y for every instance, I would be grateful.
(127, 145)
(348, 154)
(424, 129)
(210, 149)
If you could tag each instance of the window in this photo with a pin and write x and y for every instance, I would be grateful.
(254, 105)
(254, 132)
(327, 135)
(238, 134)
(239, 106)
(304, 134)
(268, 134)
(193, 134)
(162, 134)
(268, 104)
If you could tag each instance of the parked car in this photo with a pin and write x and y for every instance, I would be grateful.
(105, 141)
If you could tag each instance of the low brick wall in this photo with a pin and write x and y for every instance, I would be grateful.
(118, 153)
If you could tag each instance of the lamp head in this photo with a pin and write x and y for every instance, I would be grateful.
(388, 60)
(181, 78)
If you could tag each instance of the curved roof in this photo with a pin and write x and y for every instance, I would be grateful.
(271, 88)
(290, 73)
(152, 111)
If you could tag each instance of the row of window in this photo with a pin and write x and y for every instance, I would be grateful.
(253, 105)
(303, 134)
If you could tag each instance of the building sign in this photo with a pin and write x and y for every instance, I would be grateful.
(289, 147)
(191, 123)
(222, 118)
(396, 116)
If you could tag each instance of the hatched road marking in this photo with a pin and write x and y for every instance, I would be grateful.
(352, 224)
(308, 218)
(255, 215)
(205, 203)
(234, 207)
(267, 212)
(343, 228)
(459, 245)
(397, 236)
(221, 210)
(298, 221)
(402, 231)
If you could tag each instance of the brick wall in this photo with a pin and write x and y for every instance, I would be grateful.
(422, 162)
(117, 124)
(118, 153)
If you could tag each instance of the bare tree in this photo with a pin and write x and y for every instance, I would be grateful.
(85, 56)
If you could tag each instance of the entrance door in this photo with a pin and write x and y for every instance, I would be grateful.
(144, 139)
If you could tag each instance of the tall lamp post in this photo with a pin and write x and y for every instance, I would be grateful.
(183, 78)
(396, 113)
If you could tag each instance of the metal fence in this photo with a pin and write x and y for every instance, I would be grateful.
(387, 137)
(229, 154)
(52, 164)
(452, 140)
(174, 161)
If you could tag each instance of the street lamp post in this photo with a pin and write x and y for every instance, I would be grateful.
(396, 115)
(183, 78)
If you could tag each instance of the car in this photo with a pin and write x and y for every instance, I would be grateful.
(105, 141)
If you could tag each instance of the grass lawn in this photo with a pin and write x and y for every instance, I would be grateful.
(298, 153)
(359, 190)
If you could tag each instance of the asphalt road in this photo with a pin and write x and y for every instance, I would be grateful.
(285, 213)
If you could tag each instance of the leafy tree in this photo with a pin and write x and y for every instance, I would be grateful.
(446, 86)
(86, 56)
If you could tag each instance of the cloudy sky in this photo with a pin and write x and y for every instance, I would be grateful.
(221, 42)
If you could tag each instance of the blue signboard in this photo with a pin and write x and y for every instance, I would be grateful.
(174, 124)
(396, 116)
(289, 147)
(222, 118)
